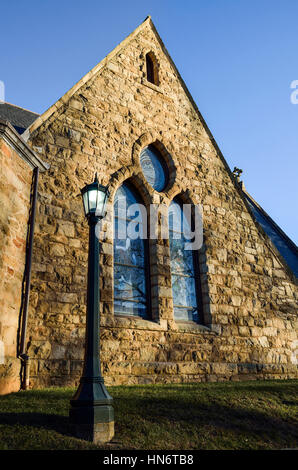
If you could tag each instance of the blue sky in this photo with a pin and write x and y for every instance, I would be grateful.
(237, 57)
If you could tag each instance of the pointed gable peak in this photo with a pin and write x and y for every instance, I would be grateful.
(66, 97)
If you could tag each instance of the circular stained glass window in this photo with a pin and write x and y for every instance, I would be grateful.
(153, 168)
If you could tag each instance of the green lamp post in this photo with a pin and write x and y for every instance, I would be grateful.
(91, 411)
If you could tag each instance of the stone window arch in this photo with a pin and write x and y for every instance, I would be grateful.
(152, 68)
(186, 285)
(131, 266)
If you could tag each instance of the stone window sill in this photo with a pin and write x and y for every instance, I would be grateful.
(128, 321)
(139, 323)
(192, 327)
(151, 85)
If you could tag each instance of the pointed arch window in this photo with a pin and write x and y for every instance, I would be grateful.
(130, 254)
(184, 267)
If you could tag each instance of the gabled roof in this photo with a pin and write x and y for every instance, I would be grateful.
(285, 246)
(19, 118)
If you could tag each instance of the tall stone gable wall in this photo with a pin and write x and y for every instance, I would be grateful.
(249, 298)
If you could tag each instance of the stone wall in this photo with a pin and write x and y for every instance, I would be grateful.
(249, 298)
(15, 186)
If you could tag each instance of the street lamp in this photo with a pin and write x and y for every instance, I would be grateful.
(91, 411)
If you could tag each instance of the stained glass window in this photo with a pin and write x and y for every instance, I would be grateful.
(153, 168)
(183, 271)
(130, 279)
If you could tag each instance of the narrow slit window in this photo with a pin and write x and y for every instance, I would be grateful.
(151, 68)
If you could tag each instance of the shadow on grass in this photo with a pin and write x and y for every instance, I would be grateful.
(45, 395)
(52, 422)
(235, 419)
(230, 415)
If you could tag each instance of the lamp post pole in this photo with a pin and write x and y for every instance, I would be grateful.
(91, 410)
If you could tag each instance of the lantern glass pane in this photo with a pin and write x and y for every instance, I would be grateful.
(100, 202)
(85, 200)
(92, 195)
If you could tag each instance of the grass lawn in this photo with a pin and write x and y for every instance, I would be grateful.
(234, 415)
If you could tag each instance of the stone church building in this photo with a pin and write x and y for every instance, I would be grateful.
(227, 311)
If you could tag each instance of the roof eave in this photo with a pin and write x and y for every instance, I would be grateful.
(11, 136)
(244, 194)
(267, 216)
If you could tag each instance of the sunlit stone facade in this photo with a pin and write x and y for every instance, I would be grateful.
(246, 299)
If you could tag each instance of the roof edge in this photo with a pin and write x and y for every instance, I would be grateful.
(19, 107)
(267, 216)
(244, 196)
(194, 104)
(11, 136)
(66, 97)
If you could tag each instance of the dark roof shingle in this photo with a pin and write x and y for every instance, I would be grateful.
(19, 118)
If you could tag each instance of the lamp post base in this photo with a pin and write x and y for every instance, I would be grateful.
(98, 433)
(93, 423)
(91, 412)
